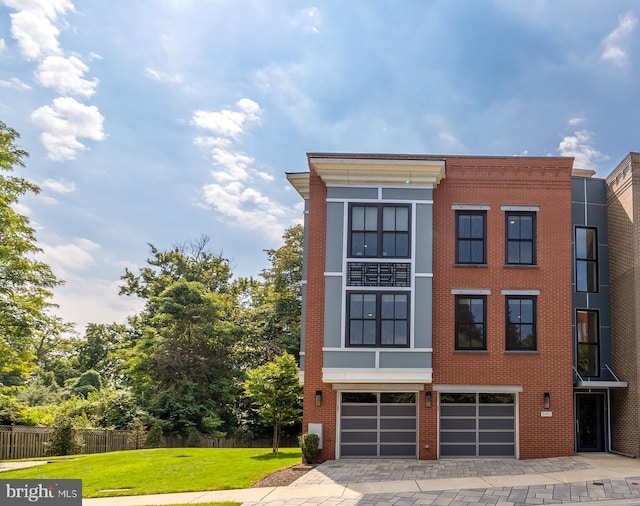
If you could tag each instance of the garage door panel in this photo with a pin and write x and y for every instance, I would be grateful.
(402, 410)
(457, 437)
(398, 423)
(496, 437)
(496, 423)
(495, 411)
(359, 423)
(458, 423)
(457, 410)
(359, 410)
(397, 437)
(457, 450)
(497, 450)
(359, 437)
(397, 451)
(358, 451)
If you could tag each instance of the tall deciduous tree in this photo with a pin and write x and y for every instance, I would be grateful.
(276, 389)
(26, 284)
(180, 364)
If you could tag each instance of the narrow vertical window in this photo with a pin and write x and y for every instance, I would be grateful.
(586, 260)
(521, 323)
(471, 232)
(521, 235)
(470, 322)
(588, 343)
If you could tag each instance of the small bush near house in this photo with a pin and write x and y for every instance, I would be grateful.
(309, 444)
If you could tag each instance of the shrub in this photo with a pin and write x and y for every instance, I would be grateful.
(309, 444)
(154, 436)
(194, 439)
(65, 439)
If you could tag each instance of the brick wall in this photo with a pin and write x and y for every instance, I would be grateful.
(314, 334)
(544, 182)
(623, 187)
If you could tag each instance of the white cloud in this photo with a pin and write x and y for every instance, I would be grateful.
(72, 257)
(164, 77)
(58, 186)
(66, 76)
(33, 25)
(575, 121)
(227, 122)
(64, 123)
(247, 208)
(85, 299)
(579, 146)
(310, 19)
(3, 46)
(613, 43)
(15, 83)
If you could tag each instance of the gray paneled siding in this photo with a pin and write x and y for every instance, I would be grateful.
(424, 238)
(305, 239)
(349, 192)
(303, 319)
(349, 359)
(333, 311)
(335, 220)
(405, 360)
(422, 313)
(407, 194)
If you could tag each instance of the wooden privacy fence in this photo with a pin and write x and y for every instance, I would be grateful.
(20, 442)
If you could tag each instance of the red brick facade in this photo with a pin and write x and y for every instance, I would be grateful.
(494, 182)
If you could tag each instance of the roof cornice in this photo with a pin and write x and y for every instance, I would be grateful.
(378, 171)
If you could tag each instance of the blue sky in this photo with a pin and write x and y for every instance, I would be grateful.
(160, 121)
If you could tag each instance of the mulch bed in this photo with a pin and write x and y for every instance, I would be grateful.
(281, 478)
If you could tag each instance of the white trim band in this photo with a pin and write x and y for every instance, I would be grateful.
(480, 389)
(470, 291)
(343, 375)
(534, 209)
(471, 207)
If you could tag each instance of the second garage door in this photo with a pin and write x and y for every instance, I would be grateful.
(477, 425)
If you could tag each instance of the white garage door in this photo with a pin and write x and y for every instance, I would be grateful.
(378, 424)
(477, 425)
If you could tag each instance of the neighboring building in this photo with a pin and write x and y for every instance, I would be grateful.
(457, 306)
(623, 202)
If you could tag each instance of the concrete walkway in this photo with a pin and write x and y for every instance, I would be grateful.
(584, 479)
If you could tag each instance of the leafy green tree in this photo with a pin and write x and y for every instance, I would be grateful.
(269, 312)
(26, 284)
(276, 389)
(179, 362)
(99, 350)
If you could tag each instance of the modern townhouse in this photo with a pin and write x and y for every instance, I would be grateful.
(456, 306)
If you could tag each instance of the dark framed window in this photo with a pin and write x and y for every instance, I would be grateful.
(521, 238)
(521, 323)
(471, 237)
(379, 230)
(586, 259)
(588, 343)
(378, 319)
(471, 317)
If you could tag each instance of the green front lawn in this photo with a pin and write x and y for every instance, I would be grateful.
(164, 470)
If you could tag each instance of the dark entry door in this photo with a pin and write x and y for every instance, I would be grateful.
(589, 423)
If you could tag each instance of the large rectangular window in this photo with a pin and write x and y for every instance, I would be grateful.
(586, 259)
(521, 323)
(378, 319)
(471, 235)
(471, 317)
(379, 230)
(588, 343)
(521, 235)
